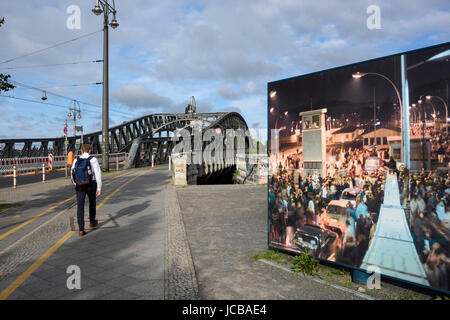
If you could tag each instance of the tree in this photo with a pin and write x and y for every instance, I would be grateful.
(4, 84)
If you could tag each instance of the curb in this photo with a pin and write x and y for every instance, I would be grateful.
(181, 279)
(356, 293)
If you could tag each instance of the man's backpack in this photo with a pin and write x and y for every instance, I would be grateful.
(82, 173)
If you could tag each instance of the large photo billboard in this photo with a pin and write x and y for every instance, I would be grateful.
(359, 166)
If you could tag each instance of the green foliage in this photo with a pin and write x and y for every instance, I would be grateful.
(235, 174)
(271, 255)
(306, 264)
(339, 272)
(4, 84)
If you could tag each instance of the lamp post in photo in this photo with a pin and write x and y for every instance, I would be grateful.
(446, 109)
(359, 75)
(102, 6)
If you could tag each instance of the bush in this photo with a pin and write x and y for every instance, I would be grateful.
(306, 264)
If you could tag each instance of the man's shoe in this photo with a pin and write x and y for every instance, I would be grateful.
(82, 233)
(93, 224)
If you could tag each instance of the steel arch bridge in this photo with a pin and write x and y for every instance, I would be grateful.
(142, 138)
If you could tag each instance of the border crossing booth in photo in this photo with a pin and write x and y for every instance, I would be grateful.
(359, 166)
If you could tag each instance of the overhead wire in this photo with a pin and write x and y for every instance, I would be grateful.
(55, 94)
(65, 97)
(59, 105)
(53, 46)
(46, 103)
(53, 64)
(73, 85)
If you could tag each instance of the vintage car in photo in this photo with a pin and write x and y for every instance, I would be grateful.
(335, 217)
(313, 239)
(350, 194)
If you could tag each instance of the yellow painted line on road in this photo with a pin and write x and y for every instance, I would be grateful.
(16, 283)
(20, 226)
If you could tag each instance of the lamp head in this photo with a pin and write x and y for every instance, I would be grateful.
(97, 10)
(428, 97)
(114, 24)
(358, 75)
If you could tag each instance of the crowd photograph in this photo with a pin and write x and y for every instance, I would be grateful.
(339, 210)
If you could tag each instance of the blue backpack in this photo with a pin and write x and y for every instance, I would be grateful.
(82, 173)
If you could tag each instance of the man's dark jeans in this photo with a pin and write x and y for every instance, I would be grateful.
(90, 191)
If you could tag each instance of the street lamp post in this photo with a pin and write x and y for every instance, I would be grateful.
(73, 112)
(102, 6)
(446, 109)
(423, 122)
(359, 75)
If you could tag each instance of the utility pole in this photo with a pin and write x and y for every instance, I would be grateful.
(105, 101)
(102, 6)
(374, 118)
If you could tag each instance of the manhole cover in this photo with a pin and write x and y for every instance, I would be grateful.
(105, 221)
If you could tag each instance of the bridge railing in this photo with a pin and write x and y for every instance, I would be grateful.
(24, 165)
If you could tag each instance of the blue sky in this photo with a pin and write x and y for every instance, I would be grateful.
(221, 52)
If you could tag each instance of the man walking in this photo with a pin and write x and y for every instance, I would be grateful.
(86, 176)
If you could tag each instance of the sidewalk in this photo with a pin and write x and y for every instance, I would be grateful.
(122, 259)
(225, 225)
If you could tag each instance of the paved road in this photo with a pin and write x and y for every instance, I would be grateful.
(27, 178)
(123, 259)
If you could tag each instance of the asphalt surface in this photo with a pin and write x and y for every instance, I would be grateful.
(224, 226)
(27, 178)
(121, 259)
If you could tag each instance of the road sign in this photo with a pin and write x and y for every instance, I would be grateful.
(65, 130)
(50, 161)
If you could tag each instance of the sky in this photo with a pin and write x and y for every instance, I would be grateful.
(224, 53)
(345, 97)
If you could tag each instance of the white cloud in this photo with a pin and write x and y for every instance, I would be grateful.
(139, 96)
(166, 51)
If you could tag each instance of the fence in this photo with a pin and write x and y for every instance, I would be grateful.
(24, 165)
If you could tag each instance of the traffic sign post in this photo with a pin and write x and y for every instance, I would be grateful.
(50, 162)
(65, 150)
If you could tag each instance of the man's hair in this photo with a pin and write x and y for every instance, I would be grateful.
(85, 147)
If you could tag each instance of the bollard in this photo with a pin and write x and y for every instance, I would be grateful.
(117, 163)
(43, 173)
(14, 175)
(170, 162)
(153, 162)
